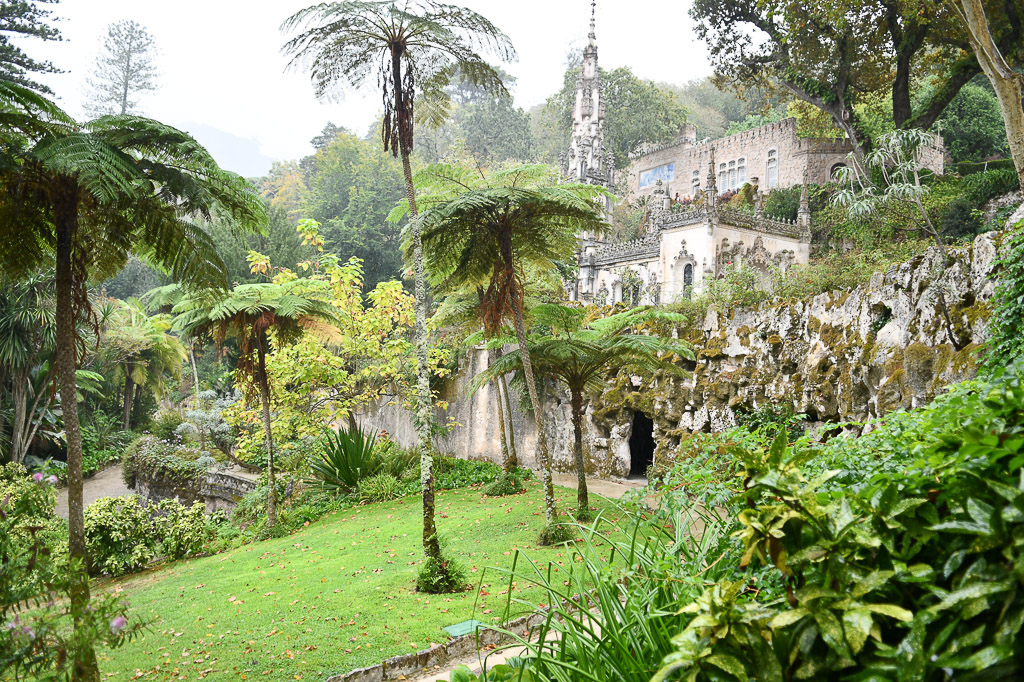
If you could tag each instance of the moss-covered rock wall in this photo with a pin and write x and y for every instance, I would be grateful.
(842, 356)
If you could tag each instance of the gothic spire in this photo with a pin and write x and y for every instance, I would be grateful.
(592, 36)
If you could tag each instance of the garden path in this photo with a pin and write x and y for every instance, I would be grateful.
(106, 483)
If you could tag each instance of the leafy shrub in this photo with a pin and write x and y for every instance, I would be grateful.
(556, 534)
(908, 573)
(969, 167)
(119, 535)
(772, 416)
(441, 576)
(398, 461)
(182, 531)
(37, 640)
(843, 270)
(161, 459)
(253, 505)
(506, 484)
(165, 425)
(1006, 342)
(961, 219)
(42, 524)
(380, 488)
(348, 456)
(452, 472)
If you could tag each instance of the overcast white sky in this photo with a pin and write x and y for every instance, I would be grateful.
(222, 74)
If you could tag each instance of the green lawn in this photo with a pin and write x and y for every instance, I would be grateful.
(337, 596)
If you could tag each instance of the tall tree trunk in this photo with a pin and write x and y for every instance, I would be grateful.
(506, 462)
(544, 457)
(582, 499)
(1008, 84)
(424, 403)
(195, 371)
(129, 394)
(261, 369)
(84, 668)
(19, 395)
(513, 456)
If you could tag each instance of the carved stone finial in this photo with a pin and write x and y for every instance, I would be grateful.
(803, 218)
(592, 36)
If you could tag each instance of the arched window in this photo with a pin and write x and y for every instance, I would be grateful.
(732, 175)
(773, 168)
(835, 170)
(688, 275)
(741, 172)
(721, 178)
(695, 183)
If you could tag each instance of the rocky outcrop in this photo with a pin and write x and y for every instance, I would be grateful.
(842, 356)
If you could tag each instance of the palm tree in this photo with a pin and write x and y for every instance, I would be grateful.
(26, 337)
(582, 356)
(248, 314)
(414, 48)
(142, 351)
(89, 195)
(485, 231)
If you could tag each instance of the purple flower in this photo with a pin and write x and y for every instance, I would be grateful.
(28, 632)
(118, 624)
(37, 477)
(53, 480)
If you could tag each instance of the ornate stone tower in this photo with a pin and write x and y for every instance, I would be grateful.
(587, 159)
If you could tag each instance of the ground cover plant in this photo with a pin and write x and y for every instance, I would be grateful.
(336, 595)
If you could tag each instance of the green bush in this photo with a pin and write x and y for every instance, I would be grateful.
(981, 187)
(182, 531)
(772, 416)
(161, 459)
(969, 168)
(165, 425)
(556, 533)
(38, 639)
(1007, 342)
(899, 552)
(506, 484)
(380, 488)
(398, 461)
(120, 536)
(348, 456)
(441, 576)
(961, 219)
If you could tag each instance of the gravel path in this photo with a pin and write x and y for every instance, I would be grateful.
(106, 483)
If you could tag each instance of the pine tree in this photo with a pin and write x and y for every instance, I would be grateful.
(124, 70)
(24, 18)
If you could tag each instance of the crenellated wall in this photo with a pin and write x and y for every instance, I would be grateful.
(793, 154)
(840, 356)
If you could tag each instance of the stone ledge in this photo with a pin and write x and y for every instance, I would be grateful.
(401, 667)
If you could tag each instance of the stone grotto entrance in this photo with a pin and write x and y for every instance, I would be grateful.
(641, 445)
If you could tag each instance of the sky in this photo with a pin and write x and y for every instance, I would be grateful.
(223, 78)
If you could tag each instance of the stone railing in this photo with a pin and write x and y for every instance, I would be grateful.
(759, 223)
(673, 218)
(644, 248)
(218, 490)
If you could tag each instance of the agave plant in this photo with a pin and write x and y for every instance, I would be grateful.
(348, 456)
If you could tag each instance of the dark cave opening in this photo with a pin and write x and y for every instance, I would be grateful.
(641, 445)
